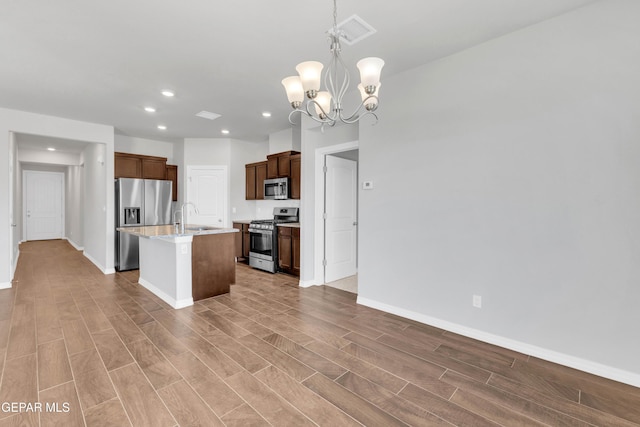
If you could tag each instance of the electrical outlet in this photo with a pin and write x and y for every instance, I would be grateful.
(477, 301)
(367, 185)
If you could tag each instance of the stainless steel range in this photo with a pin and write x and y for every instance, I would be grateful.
(263, 235)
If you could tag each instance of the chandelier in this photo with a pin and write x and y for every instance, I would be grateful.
(326, 106)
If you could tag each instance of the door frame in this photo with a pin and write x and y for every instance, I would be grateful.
(319, 232)
(223, 168)
(24, 201)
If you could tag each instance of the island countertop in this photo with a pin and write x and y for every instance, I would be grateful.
(167, 231)
(181, 268)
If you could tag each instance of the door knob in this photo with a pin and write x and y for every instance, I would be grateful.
(355, 223)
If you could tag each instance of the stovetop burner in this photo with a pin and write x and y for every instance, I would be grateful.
(280, 216)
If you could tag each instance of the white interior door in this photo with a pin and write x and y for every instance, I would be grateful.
(341, 192)
(43, 196)
(207, 190)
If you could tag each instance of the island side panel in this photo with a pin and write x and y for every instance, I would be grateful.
(165, 269)
(213, 267)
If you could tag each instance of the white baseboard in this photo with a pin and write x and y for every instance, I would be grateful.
(532, 350)
(96, 263)
(308, 283)
(164, 296)
(72, 243)
(5, 285)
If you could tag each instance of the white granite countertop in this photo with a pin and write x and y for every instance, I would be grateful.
(159, 231)
(290, 224)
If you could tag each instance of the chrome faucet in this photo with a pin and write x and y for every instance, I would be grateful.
(184, 218)
(177, 224)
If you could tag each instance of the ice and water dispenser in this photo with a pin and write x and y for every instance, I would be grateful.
(131, 216)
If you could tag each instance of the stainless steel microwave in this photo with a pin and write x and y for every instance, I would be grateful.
(276, 188)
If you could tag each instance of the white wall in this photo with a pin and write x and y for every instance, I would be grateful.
(234, 154)
(74, 213)
(13, 235)
(285, 140)
(243, 153)
(312, 140)
(37, 124)
(48, 157)
(147, 147)
(95, 207)
(511, 172)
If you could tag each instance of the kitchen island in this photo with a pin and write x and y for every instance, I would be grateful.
(181, 268)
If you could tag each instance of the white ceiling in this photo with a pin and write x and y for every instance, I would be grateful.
(103, 61)
(39, 143)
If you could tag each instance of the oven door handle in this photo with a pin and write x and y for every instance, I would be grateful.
(261, 231)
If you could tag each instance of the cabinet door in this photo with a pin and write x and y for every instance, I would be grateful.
(238, 240)
(127, 166)
(284, 248)
(250, 182)
(246, 241)
(283, 166)
(295, 251)
(296, 162)
(154, 169)
(272, 167)
(261, 175)
(172, 175)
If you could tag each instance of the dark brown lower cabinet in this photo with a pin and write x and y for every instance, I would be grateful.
(295, 243)
(289, 250)
(242, 241)
(246, 241)
(212, 266)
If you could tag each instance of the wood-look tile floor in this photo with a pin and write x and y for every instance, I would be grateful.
(100, 350)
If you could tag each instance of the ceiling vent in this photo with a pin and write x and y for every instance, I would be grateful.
(354, 29)
(208, 115)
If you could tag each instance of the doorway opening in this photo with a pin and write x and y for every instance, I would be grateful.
(340, 217)
(43, 200)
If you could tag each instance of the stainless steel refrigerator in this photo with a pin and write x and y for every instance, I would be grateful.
(139, 202)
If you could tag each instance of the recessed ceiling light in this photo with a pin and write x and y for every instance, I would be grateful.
(225, 131)
(51, 149)
(168, 93)
(149, 109)
(162, 127)
(266, 114)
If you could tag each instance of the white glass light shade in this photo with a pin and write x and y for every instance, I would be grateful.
(324, 99)
(310, 73)
(371, 102)
(293, 86)
(370, 69)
